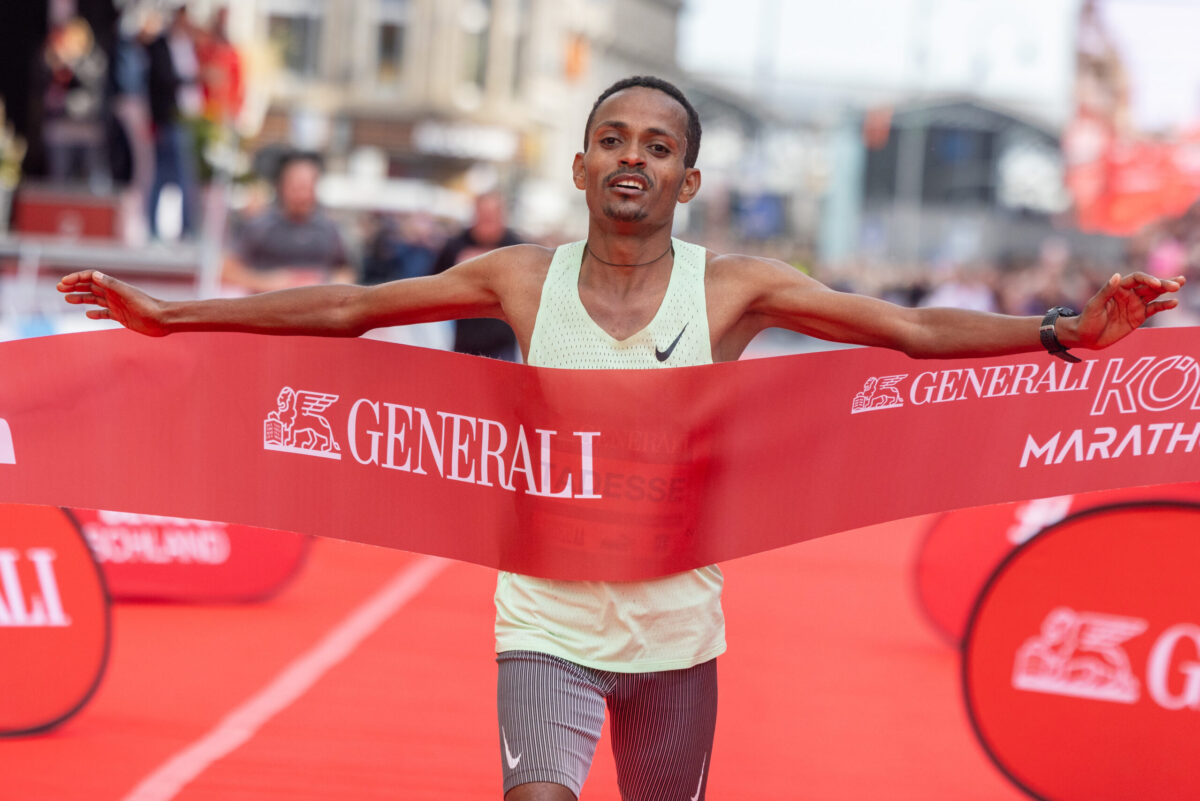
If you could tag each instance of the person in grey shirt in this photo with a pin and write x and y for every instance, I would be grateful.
(292, 242)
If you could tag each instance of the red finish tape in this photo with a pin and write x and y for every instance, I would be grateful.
(593, 474)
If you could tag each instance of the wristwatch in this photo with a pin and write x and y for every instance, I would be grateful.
(1050, 338)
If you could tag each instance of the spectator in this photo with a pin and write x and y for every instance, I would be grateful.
(181, 39)
(488, 231)
(131, 108)
(173, 152)
(1169, 255)
(220, 79)
(404, 248)
(963, 288)
(292, 243)
(75, 70)
(220, 71)
(422, 240)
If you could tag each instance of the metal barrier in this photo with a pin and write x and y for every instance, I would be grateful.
(33, 253)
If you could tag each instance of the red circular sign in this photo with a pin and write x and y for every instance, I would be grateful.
(962, 548)
(1081, 660)
(150, 557)
(54, 619)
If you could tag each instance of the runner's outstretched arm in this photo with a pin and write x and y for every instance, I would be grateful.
(467, 290)
(789, 299)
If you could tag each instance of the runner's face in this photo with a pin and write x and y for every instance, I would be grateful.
(632, 170)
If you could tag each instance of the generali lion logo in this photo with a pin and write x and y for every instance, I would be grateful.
(297, 425)
(878, 392)
(7, 454)
(1079, 654)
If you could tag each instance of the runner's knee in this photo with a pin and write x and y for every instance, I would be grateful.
(539, 791)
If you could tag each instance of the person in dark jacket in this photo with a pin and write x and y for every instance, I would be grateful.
(173, 150)
(489, 230)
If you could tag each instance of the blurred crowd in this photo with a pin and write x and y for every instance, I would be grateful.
(137, 104)
(1056, 276)
(1021, 286)
(290, 241)
(141, 104)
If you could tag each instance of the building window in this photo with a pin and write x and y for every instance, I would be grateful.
(294, 29)
(521, 47)
(390, 39)
(475, 18)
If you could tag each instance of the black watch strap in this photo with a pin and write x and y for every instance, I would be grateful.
(1050, 338)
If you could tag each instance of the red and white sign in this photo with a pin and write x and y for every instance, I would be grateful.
(1081, 662)
(578, 474)
(6, 444)
(151, 557)
(54, 619)
(962, 548)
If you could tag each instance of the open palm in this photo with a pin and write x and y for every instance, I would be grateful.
(1122, 305)
(116, 300)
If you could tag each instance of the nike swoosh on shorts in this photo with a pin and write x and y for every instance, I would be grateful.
(508, 757)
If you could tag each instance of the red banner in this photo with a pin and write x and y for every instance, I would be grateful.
(153, 558)
(577, 474)
(55, 624)
(1080, 660)
(1120, 185)
(962, 548)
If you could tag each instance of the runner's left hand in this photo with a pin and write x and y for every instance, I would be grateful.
(1121, 306)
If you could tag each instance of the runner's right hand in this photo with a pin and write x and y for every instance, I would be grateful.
(117, 300)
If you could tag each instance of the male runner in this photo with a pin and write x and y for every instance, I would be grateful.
(628, 297)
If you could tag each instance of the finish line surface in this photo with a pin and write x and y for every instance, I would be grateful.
(833, 689)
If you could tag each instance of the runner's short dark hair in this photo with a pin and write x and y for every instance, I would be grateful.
(650, 82)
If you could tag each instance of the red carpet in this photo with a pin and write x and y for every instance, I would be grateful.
(833, 688)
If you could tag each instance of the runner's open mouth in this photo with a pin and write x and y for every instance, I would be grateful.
(629, 183)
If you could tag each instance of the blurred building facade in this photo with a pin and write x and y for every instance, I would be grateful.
(955, 180)
(939, 142)
(406, 97)
(416, 105)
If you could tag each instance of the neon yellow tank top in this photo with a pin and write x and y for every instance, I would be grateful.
(668, 623)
